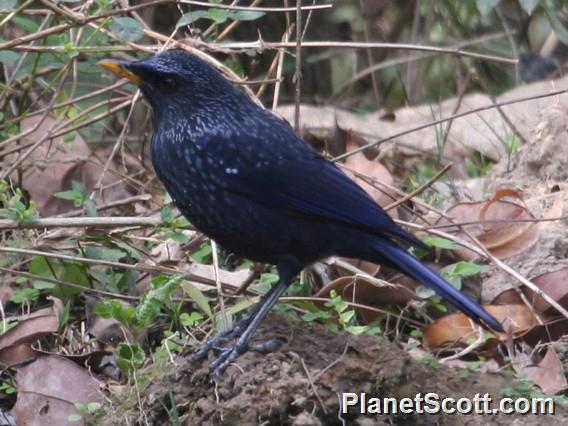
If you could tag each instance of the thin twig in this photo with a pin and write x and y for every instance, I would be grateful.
(298, 71)
(446, 119)
(88, 222)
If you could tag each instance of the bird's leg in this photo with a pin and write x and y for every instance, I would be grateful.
(250, 325)
(235, 331)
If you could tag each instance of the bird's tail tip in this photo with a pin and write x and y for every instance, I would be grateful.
(414, 268)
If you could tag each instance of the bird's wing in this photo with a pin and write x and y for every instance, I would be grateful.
(296, 179)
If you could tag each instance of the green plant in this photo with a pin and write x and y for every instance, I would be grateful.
(136, 319)
(78, 194)
(14, 206)
(83, 410)
(344, 318)
(7, 388)
(129, 357)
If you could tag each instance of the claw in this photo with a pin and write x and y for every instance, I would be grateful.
(267, 346)
(242, 332)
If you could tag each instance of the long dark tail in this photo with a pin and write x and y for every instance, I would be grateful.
(409, 265)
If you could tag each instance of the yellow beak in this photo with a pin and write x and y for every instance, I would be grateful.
(117, 68)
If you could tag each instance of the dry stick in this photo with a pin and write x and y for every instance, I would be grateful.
(256, 9)
(137, 267)
(279, 68)
(8, 17)
(229, 29)
(34, 36)
(350, 303)
(71, 129)
(420, 189)
(369, 52)
(109, 205)
(484, 253)
(68, 284)
(512, 42)
(78, 20)
(496, 221)
(35, 145)
(80, 49)
(220, 293)
(89, 222)
(212, 27)
(400, 61)
(98, 185)
(271, 69)
(298, 71)
(89, 95)
(262, 45)
(449, 118)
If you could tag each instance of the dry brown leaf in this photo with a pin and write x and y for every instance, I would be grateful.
(505, 238)
(360, 290)
(554, 284)
(375, 171)
(457, 330)
(54, 165)
(28, 331)
(169, 251)
(547, 373)
(48, 388)
(108, 331)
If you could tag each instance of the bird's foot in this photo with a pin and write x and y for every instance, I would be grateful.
(226, 355)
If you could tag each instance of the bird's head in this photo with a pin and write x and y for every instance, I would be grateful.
(176, 81)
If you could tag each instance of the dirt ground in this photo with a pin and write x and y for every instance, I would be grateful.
(300, 384)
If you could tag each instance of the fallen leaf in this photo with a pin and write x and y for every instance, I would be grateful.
(504, 238)
(547, 373)
(28, 331)
(49, 387)
(372, 171)
(55, 164)
(359, 289)
(554, 284)
(458, 330)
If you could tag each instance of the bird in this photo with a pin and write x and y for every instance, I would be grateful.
(243, 177)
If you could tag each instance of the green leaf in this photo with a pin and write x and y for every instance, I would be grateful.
(129, 357)
(486, 6)
(25, 295)
(104, 253)
(198, 297)
(218, 16)
(204, 254)
(74, 417)
(90, 208)
(8, 57)
(92, 407)
(439, 242)
(557, 25)
(190, 320)
(6, 5)
(245, 15)
(191, 17)
(529, 5)
(167, 215)
(161, 288)
(126, 29)
(463, 269)
(25, 23)
(317, 315)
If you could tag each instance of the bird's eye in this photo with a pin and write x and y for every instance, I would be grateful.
(169, 83)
